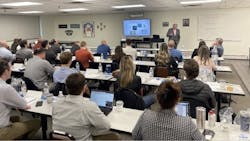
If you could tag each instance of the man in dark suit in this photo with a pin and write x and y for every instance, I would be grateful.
(174, 34)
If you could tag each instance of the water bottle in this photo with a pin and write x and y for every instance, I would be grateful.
(102, 56)
(215, 55)
(77, 66)
(23, 88)
(211, 118)
(45, 91)
(25, 62)
(100, 67)
(151, 72)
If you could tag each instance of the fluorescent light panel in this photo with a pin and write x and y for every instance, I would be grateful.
(199, 1)
(26, 3)
(73, 9)
(31, 12)
(82, 0)
(128, 6)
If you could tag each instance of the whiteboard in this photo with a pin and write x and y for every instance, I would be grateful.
(218, 25)
(25, 27)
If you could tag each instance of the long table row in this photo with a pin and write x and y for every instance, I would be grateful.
(124, 120)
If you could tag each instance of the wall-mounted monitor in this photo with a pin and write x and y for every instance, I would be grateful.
(137, 27)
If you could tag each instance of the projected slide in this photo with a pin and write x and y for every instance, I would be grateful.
(137, 27)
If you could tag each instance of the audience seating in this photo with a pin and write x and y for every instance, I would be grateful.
(73, 65)
(59, 87)
(161, 71)
(30, 85)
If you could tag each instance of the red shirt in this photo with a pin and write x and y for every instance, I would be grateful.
(84, 56)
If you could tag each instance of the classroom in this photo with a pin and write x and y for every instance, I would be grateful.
(124, 70)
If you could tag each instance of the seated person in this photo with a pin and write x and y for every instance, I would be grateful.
(129, 50)
(38, 69)
(128, 79)
(64, 71)
(55, 46)
(5, 52)
(76, 115)
(9, 98)
(165, 124)
(24, 52)
(204, 60)
(75, 47)
(103, 49)
(218, 44)
(195, 89)
(195, 52)
(164, 59)
(116, 58)
(83, 55)
(174, 52)
(50, 54)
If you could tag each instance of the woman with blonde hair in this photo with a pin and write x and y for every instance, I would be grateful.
(164, 59)
(128, 80)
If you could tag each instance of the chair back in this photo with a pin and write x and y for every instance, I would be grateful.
(73, 65)
(195, 103)
(60, 87)
(59, 135)
(130, 98)
(30, 85)
(161, 71)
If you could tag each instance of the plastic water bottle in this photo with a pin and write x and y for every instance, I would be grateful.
(211, 118)
(45, 91)
(23, 88)
(215, 55)
(151, 72)
(25, 62)
(102, 56)
(77, 66)
(100, 67)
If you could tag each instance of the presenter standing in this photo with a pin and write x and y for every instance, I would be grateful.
(174, 34)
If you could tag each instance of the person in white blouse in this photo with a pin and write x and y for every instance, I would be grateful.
(129, 50)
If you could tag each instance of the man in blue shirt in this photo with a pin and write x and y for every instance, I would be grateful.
(174, 52)
(103, 49)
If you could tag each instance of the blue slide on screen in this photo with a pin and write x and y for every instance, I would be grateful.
(139, 27)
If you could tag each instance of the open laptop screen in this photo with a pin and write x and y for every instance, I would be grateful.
(182, 109)
(102, 99)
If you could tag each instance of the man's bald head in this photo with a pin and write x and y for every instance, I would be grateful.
(171, 44)
(103, 42)
(4, 44)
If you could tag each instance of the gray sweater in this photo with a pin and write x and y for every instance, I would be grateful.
(198, 90)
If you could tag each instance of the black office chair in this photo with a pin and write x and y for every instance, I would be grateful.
(193, 103)
(130, 98)
(30, 85)
(60, 135)
(60, 87)
(73, 65)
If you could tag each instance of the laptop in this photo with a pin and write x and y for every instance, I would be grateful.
(182, 109)
(103, 99)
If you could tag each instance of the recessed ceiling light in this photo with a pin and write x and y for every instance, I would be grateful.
(128, 6)
(73, 9)
(31, 12)
(199, 1)
(21, 4)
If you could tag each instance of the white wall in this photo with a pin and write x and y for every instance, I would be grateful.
(25, 27)
(189, 37)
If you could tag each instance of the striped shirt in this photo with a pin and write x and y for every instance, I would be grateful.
(165, 125)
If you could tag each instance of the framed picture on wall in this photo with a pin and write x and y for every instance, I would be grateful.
(88, 29)
(185, 22)
(165, 24)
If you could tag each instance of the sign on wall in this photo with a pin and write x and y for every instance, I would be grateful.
(88, 29)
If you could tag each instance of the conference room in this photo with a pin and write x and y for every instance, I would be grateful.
(124, 70)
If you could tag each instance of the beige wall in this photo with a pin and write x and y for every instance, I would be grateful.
(189, 37)
(25, 27)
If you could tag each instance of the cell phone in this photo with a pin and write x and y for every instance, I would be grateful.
(39, 103)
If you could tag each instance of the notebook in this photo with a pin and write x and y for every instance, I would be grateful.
(103, 99)
(182, 109)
